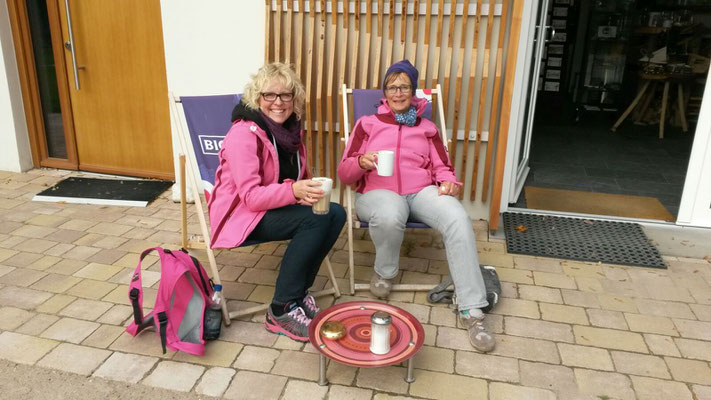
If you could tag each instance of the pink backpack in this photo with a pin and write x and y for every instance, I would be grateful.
(184, 292)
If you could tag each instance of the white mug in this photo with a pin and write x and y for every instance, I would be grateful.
(384, 165)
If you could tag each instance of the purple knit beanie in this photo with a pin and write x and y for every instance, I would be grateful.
(406, 67)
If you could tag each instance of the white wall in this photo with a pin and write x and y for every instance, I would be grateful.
(15, 153)
(211, 48)
(214, 47)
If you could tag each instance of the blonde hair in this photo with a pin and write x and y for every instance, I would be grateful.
(265, 76)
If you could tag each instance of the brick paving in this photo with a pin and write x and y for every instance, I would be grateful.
(565, 329)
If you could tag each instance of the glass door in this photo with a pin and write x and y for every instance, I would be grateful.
(695, 207)
(539, 31)
(47, 79)
(45, 91)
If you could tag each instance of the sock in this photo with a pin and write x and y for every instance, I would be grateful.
(473, 313)
(277, 309)
(280, 309)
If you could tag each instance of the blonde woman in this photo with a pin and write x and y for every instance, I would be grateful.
(263, 193)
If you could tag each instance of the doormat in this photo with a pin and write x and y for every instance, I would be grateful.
(581, 239)
(113, 192)
(619, 205)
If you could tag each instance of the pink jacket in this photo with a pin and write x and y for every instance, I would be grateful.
(246, 184)
(420, 156)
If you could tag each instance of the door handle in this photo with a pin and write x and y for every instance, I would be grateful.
(550, 29)
(549, 32)
(69, 45)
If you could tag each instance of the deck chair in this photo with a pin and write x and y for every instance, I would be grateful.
(208, 120)
(366, 102)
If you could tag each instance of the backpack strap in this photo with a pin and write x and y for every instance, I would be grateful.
(442, 292)
(200, 272)
(162, 322)
(135, 295)
(137, 311)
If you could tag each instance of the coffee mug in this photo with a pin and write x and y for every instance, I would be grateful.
(384, 165)
(322, 205)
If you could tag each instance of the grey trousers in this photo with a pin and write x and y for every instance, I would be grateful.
(387, 213)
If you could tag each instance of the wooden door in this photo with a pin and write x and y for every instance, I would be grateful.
(120, 112)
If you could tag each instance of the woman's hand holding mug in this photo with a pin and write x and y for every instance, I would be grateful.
(381, 160)
(307, 191)
(367, 160)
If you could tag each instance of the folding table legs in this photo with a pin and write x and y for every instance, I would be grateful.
(323, 381)
(664, 105)
(663, 117)
(631, 106)
(680, 109)
(322, 370)
(410, 370)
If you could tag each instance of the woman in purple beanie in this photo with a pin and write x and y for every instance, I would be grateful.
(423, 187)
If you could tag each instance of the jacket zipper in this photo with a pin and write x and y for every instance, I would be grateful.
(397, 157)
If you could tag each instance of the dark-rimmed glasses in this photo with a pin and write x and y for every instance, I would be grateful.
(285, 97)
(405, 89)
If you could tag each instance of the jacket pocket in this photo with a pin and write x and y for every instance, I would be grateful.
(422, 160)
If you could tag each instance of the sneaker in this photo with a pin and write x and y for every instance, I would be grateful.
(380, 287)
(479, 337)
(308, 304)
(294, 324)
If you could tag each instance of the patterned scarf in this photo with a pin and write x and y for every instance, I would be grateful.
(407, 118)
(287, 135)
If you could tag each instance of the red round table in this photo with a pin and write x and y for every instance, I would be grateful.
(406, 337)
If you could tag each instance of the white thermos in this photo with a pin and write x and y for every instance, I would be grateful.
(380, 332)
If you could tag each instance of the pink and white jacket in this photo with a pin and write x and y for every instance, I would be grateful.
(246, 184)
(421, 158)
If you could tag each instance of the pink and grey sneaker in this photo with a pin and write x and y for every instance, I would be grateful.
(294, 323)
(308, 304)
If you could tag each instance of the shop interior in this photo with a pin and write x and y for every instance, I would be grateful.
(619, 93)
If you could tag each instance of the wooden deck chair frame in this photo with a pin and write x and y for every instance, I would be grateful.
(353, 219)
(188, 162)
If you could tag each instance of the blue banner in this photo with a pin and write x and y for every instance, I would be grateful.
(208, 119)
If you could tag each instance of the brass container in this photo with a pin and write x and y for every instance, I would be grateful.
(333, 330)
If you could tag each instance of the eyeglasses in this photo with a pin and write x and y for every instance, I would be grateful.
(406, 89)
(285, 97)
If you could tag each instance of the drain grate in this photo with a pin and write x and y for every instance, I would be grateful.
(580, 239)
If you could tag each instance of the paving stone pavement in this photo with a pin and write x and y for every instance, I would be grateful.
(565, 329)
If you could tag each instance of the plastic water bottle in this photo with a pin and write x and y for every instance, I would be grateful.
(213, 316)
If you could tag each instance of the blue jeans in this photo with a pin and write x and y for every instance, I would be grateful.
(387, 213)
(312, 237)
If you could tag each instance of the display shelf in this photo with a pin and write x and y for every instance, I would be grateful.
(604, 58)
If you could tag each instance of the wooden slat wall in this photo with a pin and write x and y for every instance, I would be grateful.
(460, 46)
